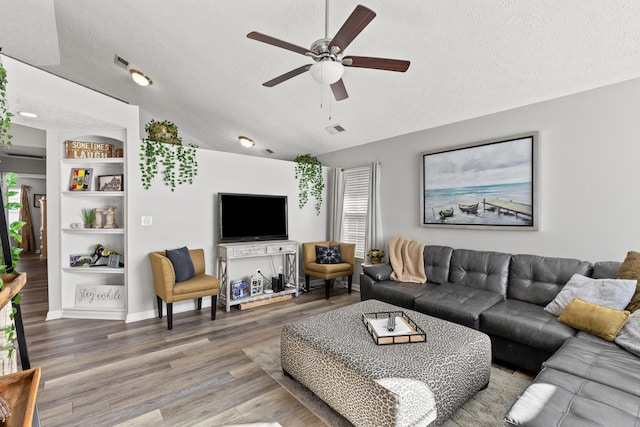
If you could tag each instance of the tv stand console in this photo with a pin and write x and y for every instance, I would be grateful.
(228, 251)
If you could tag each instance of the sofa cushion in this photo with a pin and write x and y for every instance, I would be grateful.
(605, 269)
(538, 279)
(599, 320)
(437, 260)
(612, 293)
(480, 270)
(526, 323)
(560, 399)
(182, 263)
(401, 294)
(378, 272)
(629, 336)
(606, 364)
(458, 304)
(630, 269)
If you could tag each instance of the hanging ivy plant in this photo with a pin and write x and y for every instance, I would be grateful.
(8, 262)
(163, 151)
(308, 172)
(5, 115)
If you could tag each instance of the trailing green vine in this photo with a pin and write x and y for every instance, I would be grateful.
(164, 153)
(13, 230)
(308, 172)
(5, 115)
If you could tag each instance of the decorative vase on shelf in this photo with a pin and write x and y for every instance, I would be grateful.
(375, 260)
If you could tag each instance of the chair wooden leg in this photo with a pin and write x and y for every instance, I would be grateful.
(350, 282)
(159, 307)
(306, 283)
(214, 302)
(199, 303)
(327, 286)
(169, 315)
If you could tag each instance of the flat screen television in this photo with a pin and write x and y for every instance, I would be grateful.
(251, 217)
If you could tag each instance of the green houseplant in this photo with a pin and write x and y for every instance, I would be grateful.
(88, 216)
(5, 115)
(163, 150)
(375, 255)
(9, 257)
(308, 172)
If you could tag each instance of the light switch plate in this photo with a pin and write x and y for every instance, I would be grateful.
(147, 221)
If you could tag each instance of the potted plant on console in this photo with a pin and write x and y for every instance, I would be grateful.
(375, 255)
(163, 149)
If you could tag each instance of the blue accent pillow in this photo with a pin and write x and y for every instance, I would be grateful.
(328, 254)
(182, 263)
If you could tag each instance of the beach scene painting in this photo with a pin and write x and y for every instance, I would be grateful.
(485, 185)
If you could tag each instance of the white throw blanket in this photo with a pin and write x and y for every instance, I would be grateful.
(406, 257)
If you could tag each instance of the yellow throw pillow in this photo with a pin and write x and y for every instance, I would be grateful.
(630, 269)
(596, 319)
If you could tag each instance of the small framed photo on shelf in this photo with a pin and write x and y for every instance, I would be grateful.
(37, 199)
(110, 182)
(114, 261)
(80, 179)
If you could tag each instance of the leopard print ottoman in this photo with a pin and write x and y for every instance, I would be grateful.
(417, 384)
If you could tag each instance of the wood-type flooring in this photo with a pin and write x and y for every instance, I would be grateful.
(111, 373)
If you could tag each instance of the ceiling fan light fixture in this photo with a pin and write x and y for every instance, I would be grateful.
(246, 142)
(327, 72)
(140, 78)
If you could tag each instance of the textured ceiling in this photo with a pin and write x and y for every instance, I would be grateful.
(468, 58)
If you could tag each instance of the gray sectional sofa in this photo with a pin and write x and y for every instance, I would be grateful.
(504, 296)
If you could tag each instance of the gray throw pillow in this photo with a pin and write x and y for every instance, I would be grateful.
(612, 293)
(629, 336)
(182, 263)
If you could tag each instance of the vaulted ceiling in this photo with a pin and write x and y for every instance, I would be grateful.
(468, 58)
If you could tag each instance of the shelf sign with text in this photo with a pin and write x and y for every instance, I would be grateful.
(88, 150)
(106, 296)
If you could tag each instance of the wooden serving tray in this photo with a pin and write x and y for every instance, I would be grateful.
(19, 390)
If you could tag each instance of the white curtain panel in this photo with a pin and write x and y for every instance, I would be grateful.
(337, 203)
(374, 236)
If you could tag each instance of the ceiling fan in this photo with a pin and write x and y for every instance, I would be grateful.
(328, 54)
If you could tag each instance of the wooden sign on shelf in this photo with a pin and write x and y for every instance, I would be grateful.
(100, 296)
(87, 150)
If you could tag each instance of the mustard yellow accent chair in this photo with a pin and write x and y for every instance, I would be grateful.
(169, 291)
(328, 272)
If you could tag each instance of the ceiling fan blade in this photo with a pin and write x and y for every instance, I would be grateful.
(339, 91)
(287, 76)
(355, 23)
(276, 42)
(376, 63)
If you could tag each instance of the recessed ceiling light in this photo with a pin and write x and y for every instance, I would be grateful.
(27, 114)
(246, 142)
(140, 78)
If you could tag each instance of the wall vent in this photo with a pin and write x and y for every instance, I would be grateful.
(121, 62)
(334, 129)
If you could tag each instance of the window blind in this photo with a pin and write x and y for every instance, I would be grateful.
(356, 204)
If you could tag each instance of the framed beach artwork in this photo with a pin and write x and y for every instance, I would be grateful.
(491, 184)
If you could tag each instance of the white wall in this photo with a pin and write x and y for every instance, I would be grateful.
(588, 156)
(188, 216)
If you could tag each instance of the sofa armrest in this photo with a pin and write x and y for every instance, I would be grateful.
(378, 272)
